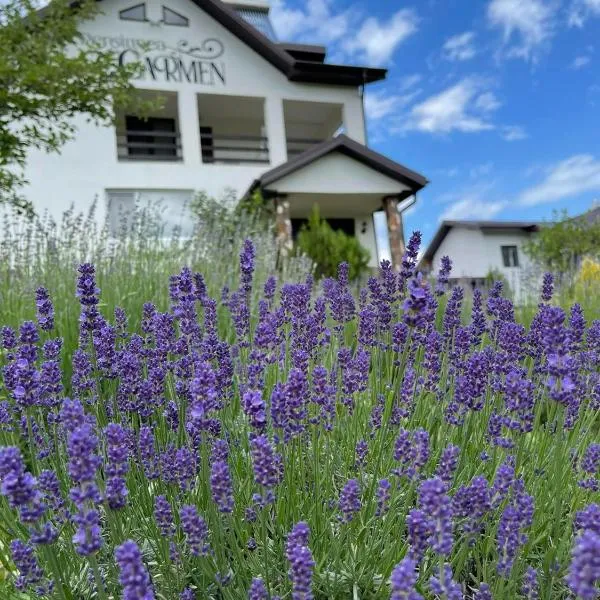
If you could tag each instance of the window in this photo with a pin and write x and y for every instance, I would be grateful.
(134, 13)
(510, 256)
(161, 213)
(206, 141)
(170, 17)
(157, 136)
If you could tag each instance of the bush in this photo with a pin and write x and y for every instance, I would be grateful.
(328, 248)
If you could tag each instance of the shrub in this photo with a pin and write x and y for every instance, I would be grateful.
(328, 248)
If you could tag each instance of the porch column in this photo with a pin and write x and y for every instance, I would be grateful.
(275, 126)
(189, 127)
(283, 226)
(395, 230)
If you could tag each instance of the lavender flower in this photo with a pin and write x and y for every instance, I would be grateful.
(163, 515)
(443, 274)
(45, 309)
(584, 570)
(547, 287)
(220, 481)
(118, 456)
(529, 587)
(195, 530)
(268, 467)
(383, 497)
(443, 585)
(437, 506)
(301, 562)
(448, 462)
(403, 581)
(483, 593)
(419, 532)
(350, 500)
(30, 573)
(133, 575)
(258, 590)
(255, 409)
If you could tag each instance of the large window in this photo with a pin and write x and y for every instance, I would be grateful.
(232, 129)
(510, 256)
(162, 213)
(153, 137)
(156, 137)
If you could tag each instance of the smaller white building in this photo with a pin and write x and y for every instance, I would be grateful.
(481, 249)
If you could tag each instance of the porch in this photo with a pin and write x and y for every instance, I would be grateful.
(349, 182)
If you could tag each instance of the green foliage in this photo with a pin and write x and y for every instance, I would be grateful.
(494, 275)
(559, 245)
(48, 75)
(328, 248)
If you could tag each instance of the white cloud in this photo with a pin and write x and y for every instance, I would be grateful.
(316, 23)
(377, 40)
(573, 176)
(481, 170)
(527, 26)
(409, 81)
(487, 102)
(513, 133)
(472, 208)
(455, 108)
(379, 105)
(581, 10)
(580, 61)
(459, 47)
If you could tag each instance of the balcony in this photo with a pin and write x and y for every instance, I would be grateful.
(309, 123)
(154, 137)
(232, 130)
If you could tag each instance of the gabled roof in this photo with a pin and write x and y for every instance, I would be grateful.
(352, 149)
(446, 226)
(295, 69)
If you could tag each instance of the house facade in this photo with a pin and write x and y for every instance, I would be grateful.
(241, 111)
(481, 248)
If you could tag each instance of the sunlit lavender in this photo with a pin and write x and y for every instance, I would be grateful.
(280, 437)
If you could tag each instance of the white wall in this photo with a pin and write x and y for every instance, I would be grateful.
(475, 252)
(88, 166)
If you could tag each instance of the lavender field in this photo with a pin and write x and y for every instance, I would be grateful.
(252, 436)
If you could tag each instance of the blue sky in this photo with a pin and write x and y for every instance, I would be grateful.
(496, 102)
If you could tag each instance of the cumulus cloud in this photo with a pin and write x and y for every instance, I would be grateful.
(487, 102)
(580, 61)
(472, 208)
(575, 175)
(380, 104)
(513, 133)
(460, 46)
(318, 22)
(454, 109)
(377, 40)
(582, 10)
(527, 27)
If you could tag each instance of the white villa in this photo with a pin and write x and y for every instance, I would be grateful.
(478, 248)
(242, 111)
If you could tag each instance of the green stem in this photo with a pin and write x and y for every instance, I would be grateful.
(98, 577)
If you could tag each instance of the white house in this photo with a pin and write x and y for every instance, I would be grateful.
(479, 248)
(241, 111)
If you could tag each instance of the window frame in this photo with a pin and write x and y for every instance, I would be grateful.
(164, 19)
(124, 10)
(510, 256)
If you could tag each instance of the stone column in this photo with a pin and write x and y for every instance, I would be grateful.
(395, 230)
(283, 226)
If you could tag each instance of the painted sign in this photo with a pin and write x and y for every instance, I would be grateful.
(185, 62)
